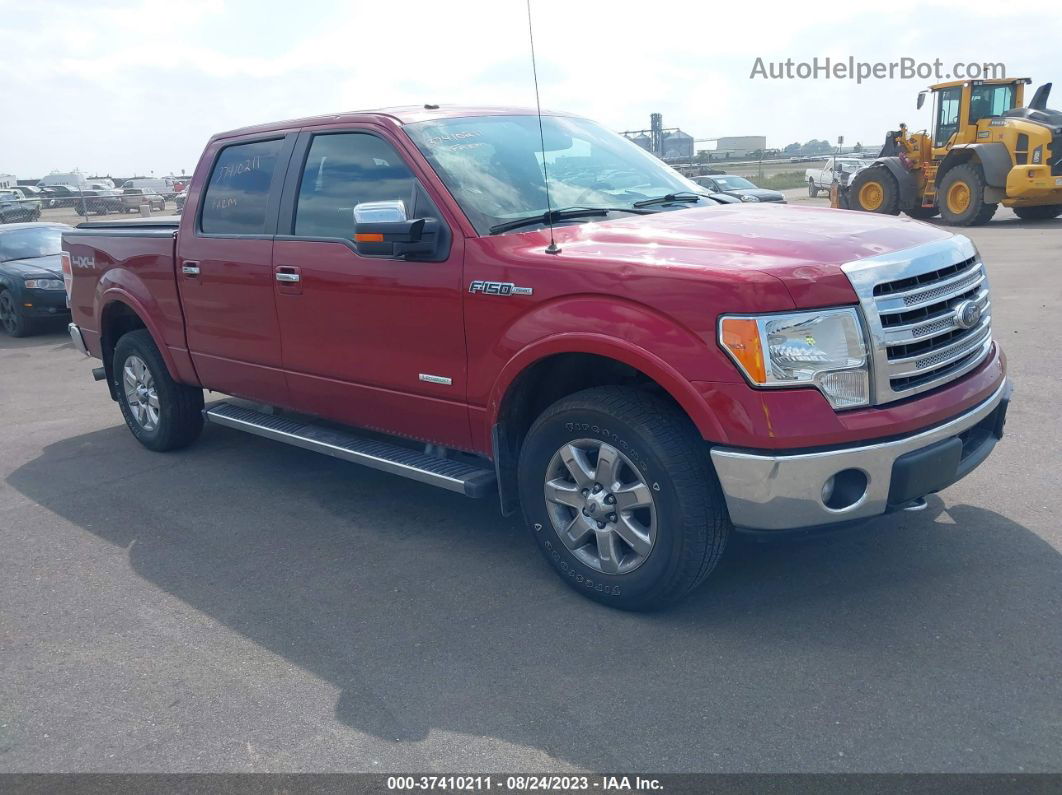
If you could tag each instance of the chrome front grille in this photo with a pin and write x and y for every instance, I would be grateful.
(913, 304)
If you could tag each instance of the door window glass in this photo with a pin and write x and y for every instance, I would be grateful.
(345, 169)
(238, 191)
(947, 114)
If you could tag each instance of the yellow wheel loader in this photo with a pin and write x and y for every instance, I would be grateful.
(985, 149)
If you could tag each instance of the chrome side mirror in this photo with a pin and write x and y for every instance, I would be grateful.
(385, 212)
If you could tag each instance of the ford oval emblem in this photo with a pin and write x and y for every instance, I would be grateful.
(967, 314)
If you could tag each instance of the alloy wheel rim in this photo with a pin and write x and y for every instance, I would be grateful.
(140, 393)
(601, 506)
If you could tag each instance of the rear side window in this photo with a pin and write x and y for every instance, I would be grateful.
(238, 191)
(345, 169)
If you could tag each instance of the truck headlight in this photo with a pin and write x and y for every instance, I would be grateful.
(824, 348)
(747, 198)
(44, 284)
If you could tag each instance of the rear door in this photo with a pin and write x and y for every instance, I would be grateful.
(371, 341)
(225, 269)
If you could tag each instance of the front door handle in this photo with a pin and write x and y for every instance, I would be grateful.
(190, 269)
(284, 276)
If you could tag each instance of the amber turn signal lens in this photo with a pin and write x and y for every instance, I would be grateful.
(369, 238)
(741, 336)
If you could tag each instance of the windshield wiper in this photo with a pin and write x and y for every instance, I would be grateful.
(563, 214)
(681, 196)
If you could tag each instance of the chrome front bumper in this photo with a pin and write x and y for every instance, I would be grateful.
(783, 492)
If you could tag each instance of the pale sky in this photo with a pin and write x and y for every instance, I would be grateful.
(124, 86)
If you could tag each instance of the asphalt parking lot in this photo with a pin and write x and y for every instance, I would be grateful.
(245, 606)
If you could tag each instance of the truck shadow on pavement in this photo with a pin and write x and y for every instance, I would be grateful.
(928, 639)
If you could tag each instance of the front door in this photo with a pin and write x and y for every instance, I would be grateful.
(225, 273)
(376, 342)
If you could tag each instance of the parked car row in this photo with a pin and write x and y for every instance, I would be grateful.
(15, 207)
(95, 196)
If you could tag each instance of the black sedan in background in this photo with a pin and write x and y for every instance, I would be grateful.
(738, 187)
(31, 277)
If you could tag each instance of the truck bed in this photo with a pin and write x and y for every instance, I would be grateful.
(166, 222)
(131, 260)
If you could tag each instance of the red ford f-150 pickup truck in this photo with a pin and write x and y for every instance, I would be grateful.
(655, 370)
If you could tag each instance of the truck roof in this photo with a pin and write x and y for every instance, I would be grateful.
(403, 114)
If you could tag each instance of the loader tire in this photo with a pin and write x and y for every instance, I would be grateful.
(961, 197)
(1044, 212)
(874, 190)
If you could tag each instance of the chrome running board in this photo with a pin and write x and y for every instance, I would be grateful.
(446, 473)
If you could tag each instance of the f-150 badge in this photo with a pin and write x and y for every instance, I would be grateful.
(498, 288)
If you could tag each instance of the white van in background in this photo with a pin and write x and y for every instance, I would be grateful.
(74, 180)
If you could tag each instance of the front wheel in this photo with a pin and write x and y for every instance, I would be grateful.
(618, 492)
(161, 413)
(961, 197)
(874, 190)
(11, 320)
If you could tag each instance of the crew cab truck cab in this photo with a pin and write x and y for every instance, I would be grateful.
(634, 366)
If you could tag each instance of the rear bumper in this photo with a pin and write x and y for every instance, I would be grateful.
(77, 339)
(766, 491)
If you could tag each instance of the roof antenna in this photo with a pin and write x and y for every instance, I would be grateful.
(552, 248)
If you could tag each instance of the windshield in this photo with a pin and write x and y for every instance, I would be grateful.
(38, 241)
(493, 166)
(733, 183)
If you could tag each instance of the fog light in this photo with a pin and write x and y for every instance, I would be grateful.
(844, 489)
(845, 388)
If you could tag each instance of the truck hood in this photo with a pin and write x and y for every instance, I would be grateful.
(803, 247)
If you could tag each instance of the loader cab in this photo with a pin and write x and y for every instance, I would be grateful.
(958, 106)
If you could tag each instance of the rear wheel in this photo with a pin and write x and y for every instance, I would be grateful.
(161, 413)
(813, 189)
(874, 190)
(1044, 212)
(618, 492)
(961, 197)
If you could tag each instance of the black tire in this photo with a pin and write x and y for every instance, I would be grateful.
(691, 521)
(12, 322)
(180, 407)
(880, 176)
(813, 189)
(1044, 212)
(922, 213)
(977, 212)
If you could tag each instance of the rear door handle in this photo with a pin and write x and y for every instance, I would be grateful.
(284, 276)
(190, 269)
